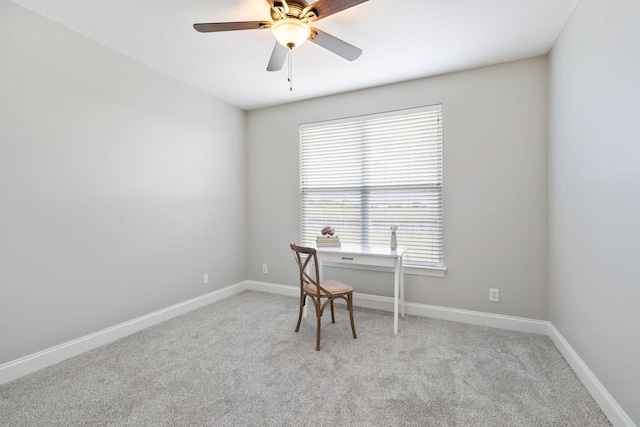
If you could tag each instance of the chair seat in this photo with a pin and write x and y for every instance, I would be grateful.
(331, 286)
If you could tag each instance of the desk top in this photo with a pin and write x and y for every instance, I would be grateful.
(351, 249)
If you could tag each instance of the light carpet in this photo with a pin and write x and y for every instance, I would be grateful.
(238, 362)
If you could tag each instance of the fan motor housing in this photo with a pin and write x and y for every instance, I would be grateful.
(296, 8)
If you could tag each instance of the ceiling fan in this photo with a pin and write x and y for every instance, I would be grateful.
(290, 26)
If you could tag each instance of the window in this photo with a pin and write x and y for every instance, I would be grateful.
(362, 175)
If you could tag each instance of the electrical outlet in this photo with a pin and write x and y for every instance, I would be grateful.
(265, 269)
(494, 295)
(205, 278)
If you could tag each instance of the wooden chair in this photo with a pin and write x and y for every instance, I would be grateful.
(318, 291)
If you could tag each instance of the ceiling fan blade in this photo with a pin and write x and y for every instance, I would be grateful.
(335, 45)
(278, 56)
(231, 26)
(324, 8)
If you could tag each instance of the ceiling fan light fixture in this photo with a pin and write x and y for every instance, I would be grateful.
(290, 32)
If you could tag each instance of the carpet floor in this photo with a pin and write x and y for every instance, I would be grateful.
(238, 362)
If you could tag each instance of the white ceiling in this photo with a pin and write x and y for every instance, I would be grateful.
(401, 40)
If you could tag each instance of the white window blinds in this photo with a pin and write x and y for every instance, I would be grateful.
(362, 175)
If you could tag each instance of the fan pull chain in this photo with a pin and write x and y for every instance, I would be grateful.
(290, 79)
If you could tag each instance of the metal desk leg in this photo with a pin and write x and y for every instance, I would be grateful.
(402, 286)
(396, 296)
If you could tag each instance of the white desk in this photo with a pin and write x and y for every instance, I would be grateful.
(379, 256)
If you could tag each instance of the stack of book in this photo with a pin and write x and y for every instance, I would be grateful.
(326, 241)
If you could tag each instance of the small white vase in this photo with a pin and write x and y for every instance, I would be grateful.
(394, 242)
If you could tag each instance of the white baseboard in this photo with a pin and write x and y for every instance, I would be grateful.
(34, 362)
(617, 416)
(479, 318)
(386, 304)
(272, 288)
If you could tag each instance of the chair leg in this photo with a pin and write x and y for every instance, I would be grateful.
(350, 306)
(333, 317)
(303, 299)
(319, 320)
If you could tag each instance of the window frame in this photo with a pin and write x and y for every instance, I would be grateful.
(430, 150)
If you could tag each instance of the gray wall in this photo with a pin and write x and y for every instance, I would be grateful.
(495, 186)
(594, 167)
(119, 187)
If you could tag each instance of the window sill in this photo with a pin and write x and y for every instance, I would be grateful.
(414, 271)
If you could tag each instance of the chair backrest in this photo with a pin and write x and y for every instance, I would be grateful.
(305, 277)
